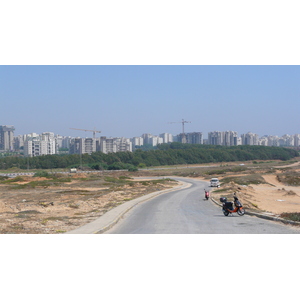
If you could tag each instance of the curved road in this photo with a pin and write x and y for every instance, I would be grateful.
(186, 211)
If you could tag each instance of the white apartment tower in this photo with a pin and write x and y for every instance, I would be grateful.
(249, 138)
(147, 137)
(167, 137)
(194, 138)
(155, 140)
(109, 145)
(123, 145)
(297, 140)
(215, 138)
(230, 138)
(273, 140)
(43, 144)
(7, 137)
(287, 140)
(137, 142)
(83, 146)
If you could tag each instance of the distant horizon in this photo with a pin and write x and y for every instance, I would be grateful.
(118, 136)
(128, 100)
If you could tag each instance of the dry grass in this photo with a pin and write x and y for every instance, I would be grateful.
(39, 205)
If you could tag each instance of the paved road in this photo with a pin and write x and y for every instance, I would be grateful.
(186, 212)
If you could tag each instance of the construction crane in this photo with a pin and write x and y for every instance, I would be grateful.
(183, 135)
(94, 131)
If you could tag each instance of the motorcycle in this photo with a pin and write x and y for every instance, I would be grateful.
(228, 206)
(206, 194)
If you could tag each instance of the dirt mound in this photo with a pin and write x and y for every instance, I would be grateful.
(274, 196)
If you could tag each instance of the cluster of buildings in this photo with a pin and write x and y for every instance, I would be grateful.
(231, 138)
(48, 143)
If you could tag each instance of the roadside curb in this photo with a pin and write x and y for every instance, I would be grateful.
(112, 217)
(264, 216)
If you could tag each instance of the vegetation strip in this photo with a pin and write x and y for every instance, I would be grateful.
(165, 154)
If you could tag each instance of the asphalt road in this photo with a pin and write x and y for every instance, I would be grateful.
(187, 212)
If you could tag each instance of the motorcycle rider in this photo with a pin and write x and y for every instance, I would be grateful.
(206, 194)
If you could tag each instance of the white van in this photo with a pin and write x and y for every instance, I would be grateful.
(214, 182)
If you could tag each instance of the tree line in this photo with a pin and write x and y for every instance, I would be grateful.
(165, 154)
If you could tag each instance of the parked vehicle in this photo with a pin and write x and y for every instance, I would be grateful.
(228, 208)
(214, 182)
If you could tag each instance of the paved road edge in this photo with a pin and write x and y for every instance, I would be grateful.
(112, 217)
(266, 216)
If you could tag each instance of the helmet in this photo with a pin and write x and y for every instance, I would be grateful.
(223, 199)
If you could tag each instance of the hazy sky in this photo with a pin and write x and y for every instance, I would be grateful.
(131, 100)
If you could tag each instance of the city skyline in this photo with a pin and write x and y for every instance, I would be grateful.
(154, 134)
(48, 143)
(128, 100)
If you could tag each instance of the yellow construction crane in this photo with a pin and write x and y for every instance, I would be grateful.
(94, 131)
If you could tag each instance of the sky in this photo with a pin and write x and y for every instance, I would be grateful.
(129, 100)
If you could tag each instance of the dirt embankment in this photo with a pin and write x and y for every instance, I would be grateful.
(273, 196)
(41, 205)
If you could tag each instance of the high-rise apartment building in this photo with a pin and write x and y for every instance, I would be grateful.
(167, 137)
(18, 142)
(287, 141)
(155, 140)
(194, 138)
(108, 145)
(83, 145)
(263, 141)
(273, 140)
(225, 138)
(249, 138)
(43, 144)
(215, 138)
(137, 142)
(123, 145)
(230, 138)
(147, 137)
(181, 138)
(297, 140)
(7, 137)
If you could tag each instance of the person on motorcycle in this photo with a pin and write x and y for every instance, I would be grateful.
(206, 194)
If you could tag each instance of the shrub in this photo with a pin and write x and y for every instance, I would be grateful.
(16, 179)
(132, 168)
(142, 166)
(41, 174)
(291, 216)
(289, 178)
(3, 178)
(244, 180)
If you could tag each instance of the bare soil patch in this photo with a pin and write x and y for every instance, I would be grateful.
(43, 205)
(272, 196)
